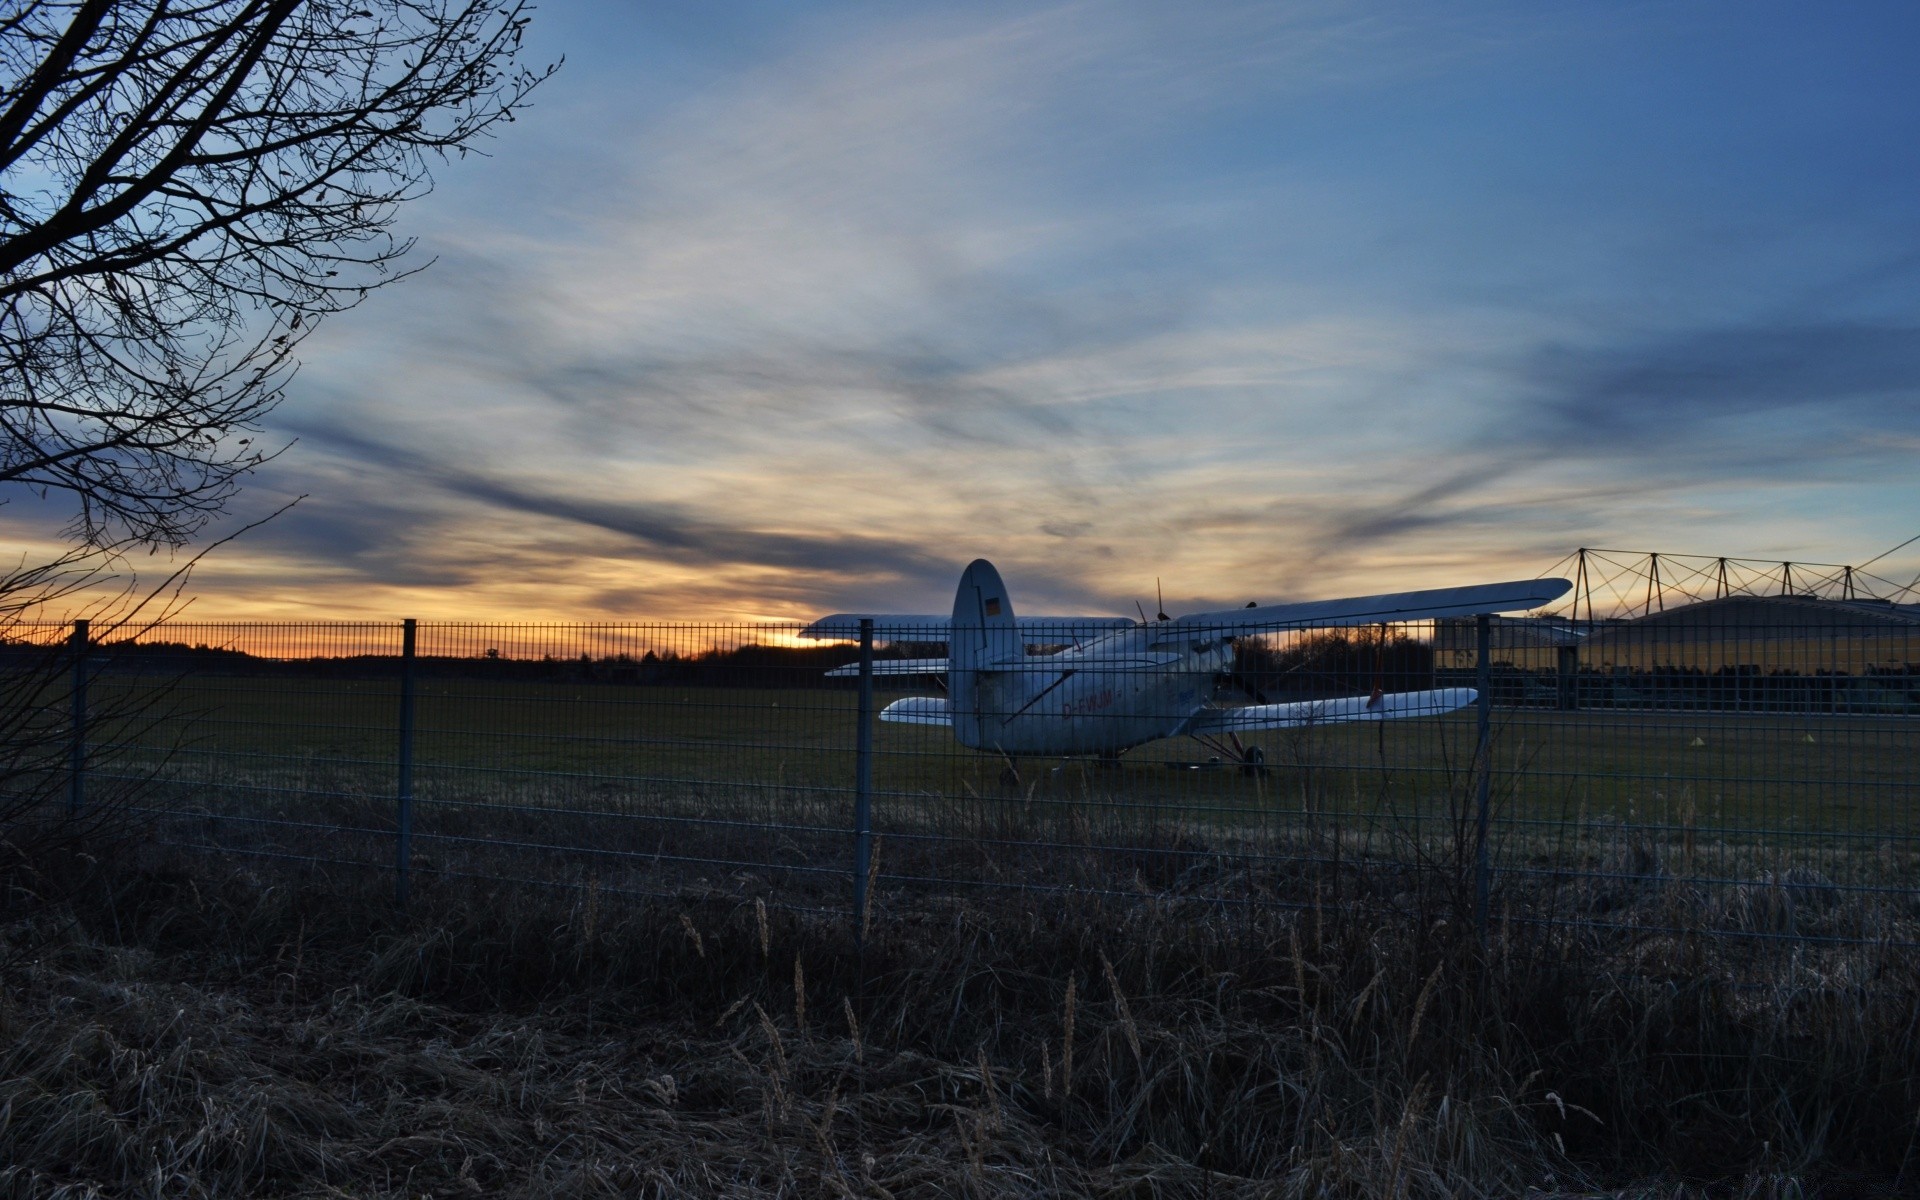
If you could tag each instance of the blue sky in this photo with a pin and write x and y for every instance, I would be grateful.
(765, 310)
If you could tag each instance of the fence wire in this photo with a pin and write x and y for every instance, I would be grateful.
(1743, 769)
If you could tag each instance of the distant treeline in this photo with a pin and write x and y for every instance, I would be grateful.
(1328, 663)
(742, 666)
(1353, 662)
(1334, 662)
(1737, 688)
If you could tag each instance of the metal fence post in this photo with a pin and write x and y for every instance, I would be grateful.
(77, 750)
(1567, 675)
(1482, 860)
(863, 785)
(403, 843)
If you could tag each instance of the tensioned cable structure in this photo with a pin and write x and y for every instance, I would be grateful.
(1636, 583)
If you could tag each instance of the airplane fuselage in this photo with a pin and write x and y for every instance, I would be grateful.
(1125, 689)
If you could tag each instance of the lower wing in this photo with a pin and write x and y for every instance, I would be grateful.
(1327, 712)
(932, 710)
(917, 710)
(894, 666)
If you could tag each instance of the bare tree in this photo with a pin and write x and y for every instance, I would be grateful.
(186, 188)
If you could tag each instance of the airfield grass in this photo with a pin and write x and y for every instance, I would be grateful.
(1766, 772)
(747, 792)
(688, 1007)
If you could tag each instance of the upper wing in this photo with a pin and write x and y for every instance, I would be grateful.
(907, 627)
(1356, 610)
(1370, 610)
(1329, 712)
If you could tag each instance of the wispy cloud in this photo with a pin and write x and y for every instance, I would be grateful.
(1103, 290)
(1761, 385)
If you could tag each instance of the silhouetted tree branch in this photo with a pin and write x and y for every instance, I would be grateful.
(186, 188)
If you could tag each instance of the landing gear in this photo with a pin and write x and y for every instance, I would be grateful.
(1010, 774)
(1253, 761)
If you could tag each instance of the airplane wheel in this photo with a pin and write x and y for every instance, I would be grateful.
(1255, 761)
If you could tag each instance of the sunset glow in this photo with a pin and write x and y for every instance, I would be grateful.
(795, 310)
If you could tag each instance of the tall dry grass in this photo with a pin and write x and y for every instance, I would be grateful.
(199, 1032)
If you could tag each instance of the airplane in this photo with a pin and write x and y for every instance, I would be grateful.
(1100, 686)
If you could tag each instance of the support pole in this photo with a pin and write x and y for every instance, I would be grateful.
(78, 644)
(1582, 588)
(1482, 860)
(403, 843)
(863, 786)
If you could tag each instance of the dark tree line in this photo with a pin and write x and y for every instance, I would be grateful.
(1334, 662)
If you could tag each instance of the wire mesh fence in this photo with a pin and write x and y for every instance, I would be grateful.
(1741, 768)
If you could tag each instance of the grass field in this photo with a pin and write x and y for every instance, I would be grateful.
(1803, 771)
(1207, 984)
(749, 791)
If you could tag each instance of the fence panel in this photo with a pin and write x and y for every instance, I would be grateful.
(1743, 768)
(278, 740)
(1690, 773)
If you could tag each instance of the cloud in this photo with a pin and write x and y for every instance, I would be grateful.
(1628, 398)
(1536, 481)
(676, 533)
(1610, 434)
(1102, 291)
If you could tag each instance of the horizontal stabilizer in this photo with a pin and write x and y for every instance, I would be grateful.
(1516, 596)
(1329, 712)
(908, 627)
(917, 710)
(894, 666)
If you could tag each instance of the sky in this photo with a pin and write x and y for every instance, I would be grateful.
(768, 310)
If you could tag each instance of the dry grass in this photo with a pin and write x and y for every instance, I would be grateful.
(289, 1036)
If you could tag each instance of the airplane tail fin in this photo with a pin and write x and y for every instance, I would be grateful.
(982, 638)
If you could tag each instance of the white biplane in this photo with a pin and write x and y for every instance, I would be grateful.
(1099, 686)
